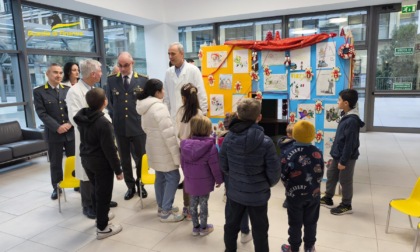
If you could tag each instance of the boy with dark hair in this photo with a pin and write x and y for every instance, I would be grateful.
(345, 151)
(302, 168)
(99, 158)
(284, 144)
(250, 160)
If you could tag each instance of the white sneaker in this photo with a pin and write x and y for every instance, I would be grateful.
(170, 217)
(246, 237)
(110, 230)
(174, 210)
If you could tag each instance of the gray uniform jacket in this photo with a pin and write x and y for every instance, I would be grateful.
(52, 110)
(122, 104)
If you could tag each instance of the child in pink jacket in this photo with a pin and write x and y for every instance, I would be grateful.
(200, 163)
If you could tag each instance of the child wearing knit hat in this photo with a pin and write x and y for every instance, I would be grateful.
(302, 169)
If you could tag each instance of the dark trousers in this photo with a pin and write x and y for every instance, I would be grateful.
(101, 177)
(55, 154)
(345, 177)
(245, 217)
(127, 146)
(259, 222)
(302, 212)
(86, 193)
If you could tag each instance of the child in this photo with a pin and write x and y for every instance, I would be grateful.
(200, 164)
(250, 160)
(345, 151)
(246, 234)
(189, 109)
(302, 170)
(161, 147)
(99, 158)
(284, 144)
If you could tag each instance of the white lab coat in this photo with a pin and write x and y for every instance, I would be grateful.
(76, 100)
(172, 85)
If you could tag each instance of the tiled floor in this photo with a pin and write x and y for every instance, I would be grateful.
(387, 168)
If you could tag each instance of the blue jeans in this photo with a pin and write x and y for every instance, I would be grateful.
(245, 217)
(166, 184)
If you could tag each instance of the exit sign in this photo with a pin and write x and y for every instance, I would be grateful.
(409, 8)
(402, 51)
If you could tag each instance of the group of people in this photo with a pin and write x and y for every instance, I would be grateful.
(167, 120)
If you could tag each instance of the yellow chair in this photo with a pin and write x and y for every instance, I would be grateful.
(69, 181)
(417, 237)
(409, 206)
(146, 177)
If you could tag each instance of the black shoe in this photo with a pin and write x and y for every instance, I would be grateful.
(54, 194)
(130, 193)
(285, 203)
(113, 204)
(181, 185)
(89, 212)
(326, 202)
(77, 189)
(143, 192)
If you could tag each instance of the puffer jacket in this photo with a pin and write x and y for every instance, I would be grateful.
(346, 143)
(200, 163)
(161, 144)
(250, 160)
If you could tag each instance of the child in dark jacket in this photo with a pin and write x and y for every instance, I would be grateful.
(250, 160)
(285, 143)
(200, 164)
(302, 168)
(345, 151)
(99, 158)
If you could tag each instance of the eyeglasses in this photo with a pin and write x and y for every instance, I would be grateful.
(124, 66)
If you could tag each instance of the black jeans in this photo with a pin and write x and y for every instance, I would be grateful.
(306, 213)
(245, 218)
(259, 222)
(101, 176)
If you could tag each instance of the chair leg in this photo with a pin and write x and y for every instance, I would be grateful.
(416, 240)
(59, 201)
(411, 222)
(141, 198)
(387, 219)
(64, 193)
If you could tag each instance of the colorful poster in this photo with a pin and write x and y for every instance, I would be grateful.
(306, 112)
(301, 57)
(240, 61)
(331, 116)
(217, 105)
(236, 98)
(215, 59)
(275, 82)
(328, 142)
(270, 58)
(300, 87)
(325, 54)
(225, 81)
(325, 84)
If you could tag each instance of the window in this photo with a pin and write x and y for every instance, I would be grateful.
(7, 35)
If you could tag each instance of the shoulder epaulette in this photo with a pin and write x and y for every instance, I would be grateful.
(136, 75)
(114, 74)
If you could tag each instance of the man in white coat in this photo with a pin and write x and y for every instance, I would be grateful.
(75, 99)
(177, 75)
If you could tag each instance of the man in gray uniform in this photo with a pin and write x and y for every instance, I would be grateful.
(121, 93)
(50, 105)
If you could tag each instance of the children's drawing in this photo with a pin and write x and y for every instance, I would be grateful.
(331, 116)
(306, 112)
(225, 81)
(240, 61)
(214, 59)
(325, 84)
(272, 58)
(275, 82)
(301, 57)
(217, 105)
(325, 54)
(236, 98)
(328, 142)
(300, 86)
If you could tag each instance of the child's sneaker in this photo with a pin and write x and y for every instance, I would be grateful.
(108, 231)
(285, 204)
(342, 209)
(246, 237)
(207, 230)
(310, 249)
(196, 231)
(186, 213)
(286, 248)
(170, 217)
(327, 202)
(174, 210)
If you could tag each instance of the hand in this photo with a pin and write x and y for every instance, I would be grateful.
(341, 167)
(62, 129)
(120, 176)
(217, 185)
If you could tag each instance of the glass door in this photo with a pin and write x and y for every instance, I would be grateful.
(396, 90)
